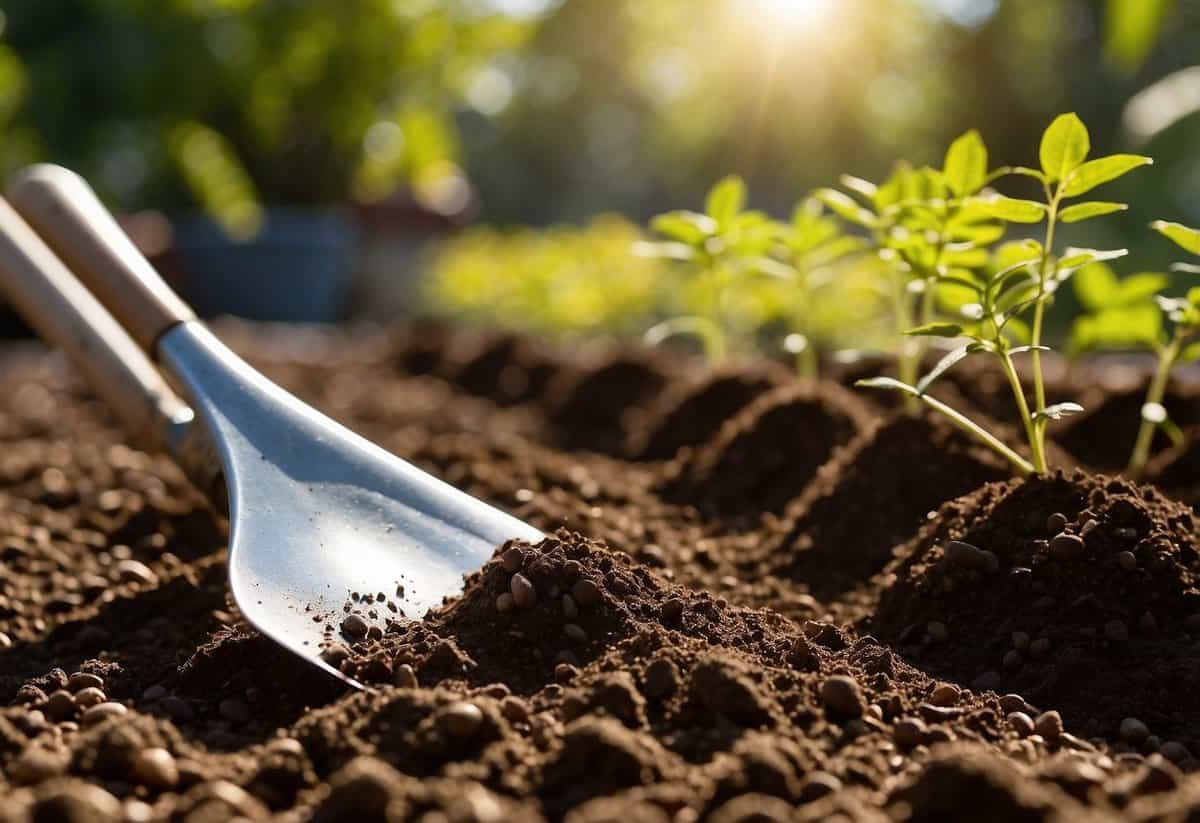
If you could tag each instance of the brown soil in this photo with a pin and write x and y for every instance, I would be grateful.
(680, 650)
(694, 412)
(1100, 625)
(1177, 470)
(766, 454)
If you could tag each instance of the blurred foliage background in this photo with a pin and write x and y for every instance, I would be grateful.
(539, 112)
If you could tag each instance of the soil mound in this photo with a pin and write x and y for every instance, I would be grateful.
(769, 451)
(1103, 437)
(693, 413)
(589, 408)
(1177, 470)
(874, 494)
(505, 368)
(1076, 591)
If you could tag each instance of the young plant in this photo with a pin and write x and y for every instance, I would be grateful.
(1022, 279)
(1182, 344)
(718, 246)
(922, 224)
(808, 246)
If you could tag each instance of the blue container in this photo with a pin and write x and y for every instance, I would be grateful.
(297, 269)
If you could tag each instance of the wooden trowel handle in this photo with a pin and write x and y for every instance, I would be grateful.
(63, 312)
(63, 209)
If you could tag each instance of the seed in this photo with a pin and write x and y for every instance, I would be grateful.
(461, 719)
(514, 709)
(60, 706)
(355, 626)
(1010, 703)
(909, 731)
(5, 641)
(1088, 527)
(1127, 560)
(841, 695)
(504, 603)
(287, 745)
(334, 654)
(405, 677)
(1021, 723)
(1066, 546)
(1020, 641)
(1049, 725)
(944, 694)
(513, 559)
(1056, 522)
(84, 680)
(523, 594)
(565, 672)
(964, 555)
(575, 633)
(1133, 730)
(1174, 751)
(155, 768)
(1012, 659)
(672, 610)
(86, 698)
(134, 571)
(102, 711)
(586, 593)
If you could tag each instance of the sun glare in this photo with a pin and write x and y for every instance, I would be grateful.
(797, 14)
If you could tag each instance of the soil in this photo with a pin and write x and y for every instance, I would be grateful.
(1103, 437)
(756, 617)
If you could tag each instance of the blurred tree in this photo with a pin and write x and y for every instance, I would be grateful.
(226, 101)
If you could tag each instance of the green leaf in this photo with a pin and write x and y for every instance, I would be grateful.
(1101, 170)
(1092, 208)
(843, 206)
(1057, 411)
(666, 250)
(1096, 286)
(1121, 328)
(1190, 353)
(1183, 236)
(1012, 210)
(685, 226)
(1023, 171)
(889, 383)
(1074, 258)
(936, 330)
(945, 364)
(1139, 287)
(965, 167)
(1065, 144)
(864, 188)
(726, 199)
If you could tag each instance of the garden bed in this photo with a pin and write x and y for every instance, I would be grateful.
(749, 603)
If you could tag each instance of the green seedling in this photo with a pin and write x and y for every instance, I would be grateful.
(1022, 277)
(808, 248)
(922, 224)
(1180, 345)
(717, 247)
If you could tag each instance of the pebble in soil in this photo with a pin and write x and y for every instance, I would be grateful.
(1077, 592)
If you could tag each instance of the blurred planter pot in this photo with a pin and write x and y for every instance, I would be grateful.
(298, 268)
